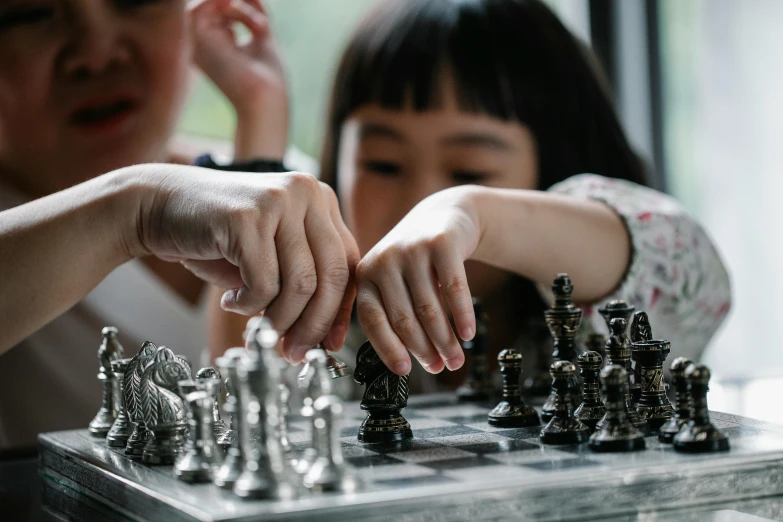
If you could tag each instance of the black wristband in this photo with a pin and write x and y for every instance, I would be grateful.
(255, 165)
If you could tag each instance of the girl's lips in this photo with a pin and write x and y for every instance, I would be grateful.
(104, 117)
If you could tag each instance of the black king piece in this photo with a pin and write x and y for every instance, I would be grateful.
(563, 320)
(385, 396)
(618, 351)
(478, 385)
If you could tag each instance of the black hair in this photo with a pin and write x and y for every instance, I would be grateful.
(511, 59)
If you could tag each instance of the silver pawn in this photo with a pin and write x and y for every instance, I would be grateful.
(202, 456)
(329, 471)
(228, 473)
(264, 473)
(318, 384)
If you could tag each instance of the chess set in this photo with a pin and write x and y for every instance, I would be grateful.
(604, 441)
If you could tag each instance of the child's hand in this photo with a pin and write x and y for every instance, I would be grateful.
(250, 75)
(403, 281)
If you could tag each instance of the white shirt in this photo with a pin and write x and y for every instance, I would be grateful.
(48, 381)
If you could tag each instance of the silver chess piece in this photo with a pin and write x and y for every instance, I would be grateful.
(228, 473)
(110, 350)
(265, 472)
(162, 409)
(329, 471)
(201, 457)
(140, 435)
(218, 426)
(122, 428)
(336, 367)
(318, 384)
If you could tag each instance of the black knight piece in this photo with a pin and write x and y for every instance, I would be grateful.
(386, 394)
(138, 439)
(512, 412)
(478, 384)
(682, 411)
(653, 405)
(616, 433)
(564, 428)
(122, 428)
(699, 435)
(591, 410)
(618, 351)
(563, 320)
(110, 350)
(619, 309)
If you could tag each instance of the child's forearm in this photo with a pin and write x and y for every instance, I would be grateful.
(536, 235)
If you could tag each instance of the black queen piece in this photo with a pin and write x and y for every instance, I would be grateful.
(386, 394)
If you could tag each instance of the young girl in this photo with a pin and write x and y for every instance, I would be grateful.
(90, 86)
(475, 151)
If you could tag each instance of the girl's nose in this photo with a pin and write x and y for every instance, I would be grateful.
(96, 41)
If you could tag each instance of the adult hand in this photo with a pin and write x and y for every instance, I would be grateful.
(276, 242)
(406, 282)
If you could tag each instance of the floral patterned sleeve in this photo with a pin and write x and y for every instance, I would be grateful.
(676, 275)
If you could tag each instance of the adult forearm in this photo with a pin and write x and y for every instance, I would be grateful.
(54, 250)
(537, 235)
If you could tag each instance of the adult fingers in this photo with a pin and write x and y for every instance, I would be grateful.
(332, 273)
(219, 272)
(375, 324)
(454, 287)
(430, 312)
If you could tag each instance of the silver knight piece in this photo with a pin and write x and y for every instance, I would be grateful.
(218, 426)
(265, 472)
(162, 409)
(201, 457)
(134, 448)
(110, 350)
(228, 473)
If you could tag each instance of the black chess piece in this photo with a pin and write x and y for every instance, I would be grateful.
(512, 412)
(596, 342)
(386, 394)
(640, 331)
(618, 351)
(122, 428)
(617, 433)
(591, 410)
(110, 350)
(614, 309)
(653, 405)
(564, 428)
(478, 384)
(682, 412)
(563, 320)
(699, 435)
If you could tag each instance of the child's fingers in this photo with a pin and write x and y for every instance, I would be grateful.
(375, 324)
(399, 310)
(196, 7)
(256, 22)
(431, 313)
(456, 292)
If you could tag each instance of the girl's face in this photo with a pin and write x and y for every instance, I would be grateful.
(389, 160)
(87, 86)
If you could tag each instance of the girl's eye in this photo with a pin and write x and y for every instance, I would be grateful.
(466, 177)
(131, 4)
(383, 168)
(25, 15)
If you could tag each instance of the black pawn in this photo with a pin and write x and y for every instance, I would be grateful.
(512, 412)
(682, 411)
(618, 351)
(563, 320)
(619, 309)
(591, 410)
(478, 384)
(653, 405)
(617, 433)
(564, 428)
(699, 435)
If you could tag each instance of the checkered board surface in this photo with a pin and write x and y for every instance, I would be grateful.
(457, 467)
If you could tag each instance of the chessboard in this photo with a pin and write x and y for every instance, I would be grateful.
(457, 467)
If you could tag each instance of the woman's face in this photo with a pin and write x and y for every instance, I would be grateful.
(87, 86)
(389, 160)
